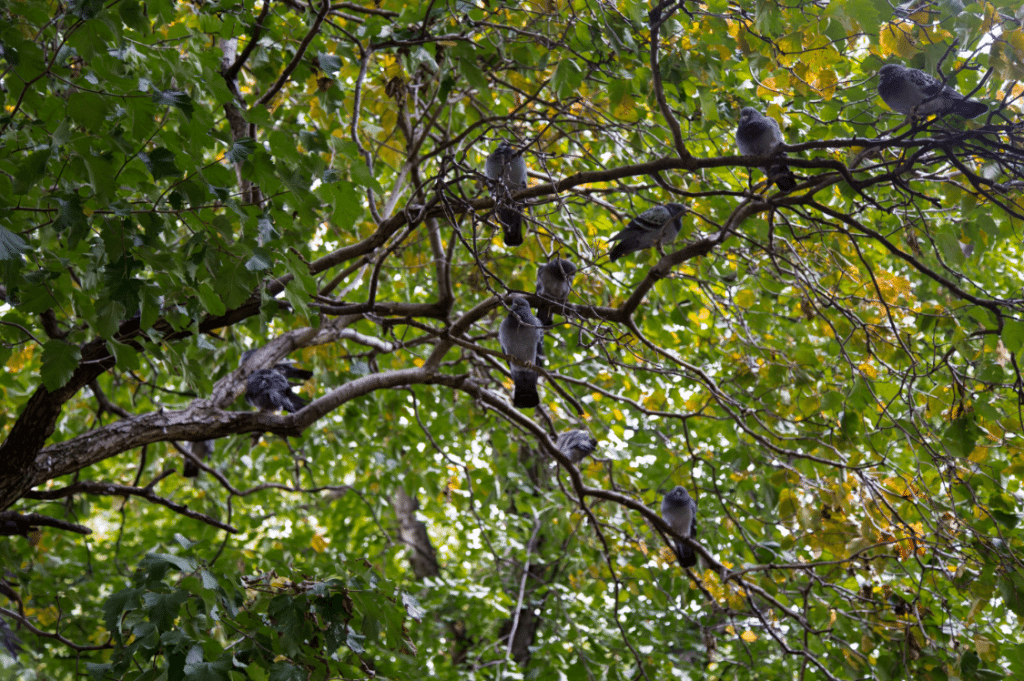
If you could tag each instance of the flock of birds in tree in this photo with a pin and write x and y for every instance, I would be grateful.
(907, 91)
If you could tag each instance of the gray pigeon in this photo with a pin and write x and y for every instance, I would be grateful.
(758, 135)
(287, 370)
(268, 390)
(680, 512)
(506, 170)
(9, 640)
(576, 444)
(658, 224)
(199, 449)
(554, 279)
(520, 335)
(914, 93)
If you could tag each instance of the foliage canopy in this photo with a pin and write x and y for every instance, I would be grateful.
(833, 373)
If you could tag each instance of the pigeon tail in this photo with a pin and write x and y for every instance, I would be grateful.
(291, 372)
(624, 247)
(784, 178)
(525, 395)
(546, 315)
(511, 220)
(968, 108)
(686, 555)
(292, 402)
(9, 639)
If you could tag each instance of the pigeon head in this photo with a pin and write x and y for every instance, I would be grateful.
(889, 71)
(748, 113)
(520, 305)
(676, 210)
(564, 267)
(678, 496)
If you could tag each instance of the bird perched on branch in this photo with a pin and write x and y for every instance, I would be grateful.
(12, 523)
(520, 335)
(506, 170)
(680, 512)
(758, 135)
(554, 280)
(914, 93)
(269, 390)
(286, 369)
(660, 224)
(576, 444)
(9, 640)
(200, 449)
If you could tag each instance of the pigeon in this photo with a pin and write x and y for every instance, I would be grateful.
(506, 170)
(12, 524)
(658, 224)
(758, 135)
(199, 449)
(9, 640)
(287, 370)
(576, 444)
(268, 390)
(680, 512)
(914, 93)
(554, 279)
(520, 335)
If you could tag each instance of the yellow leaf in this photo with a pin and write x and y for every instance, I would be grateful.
(1016, 40)
(45, 616)
(745, 298)
(991, 18)
(787, 504)
(895, 39)
(983, 646)
(766, 90)
(748, 636)
(826, 83)
(318, 543)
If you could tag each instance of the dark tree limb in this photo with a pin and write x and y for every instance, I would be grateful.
(12, 523)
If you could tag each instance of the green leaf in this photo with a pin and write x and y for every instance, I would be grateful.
(118, 604)
(329, 63)
(260, 260)
(961, 436)
(160, 163)
(132, 15)
(210, 300)
(11, 245)
(88, 110)
(85, 9)
(175, 98)
(126, 356)
(567, 78)
(30, 171)
(1013, 336)
(240, 150)
(412, 606)
(163, 608)
(355, 642)
(60, 360)
(98, 671)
